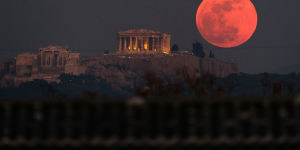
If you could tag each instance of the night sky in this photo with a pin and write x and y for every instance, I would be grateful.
(90, 27)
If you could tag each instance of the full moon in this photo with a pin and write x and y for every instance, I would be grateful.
(226, 23)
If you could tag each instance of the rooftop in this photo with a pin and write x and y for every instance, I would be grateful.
(55, 48)
(140, 31)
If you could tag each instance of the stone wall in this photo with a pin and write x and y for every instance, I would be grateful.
(26, 64)
(165, 64)
(128, 70)
(73, 65)
(7, 66)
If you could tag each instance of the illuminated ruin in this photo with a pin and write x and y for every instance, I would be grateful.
(143, 41)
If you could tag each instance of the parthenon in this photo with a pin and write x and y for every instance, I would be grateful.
(143, 41)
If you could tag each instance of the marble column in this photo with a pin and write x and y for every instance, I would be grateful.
(130, 43)
(57, 60)
(142, 43)
(51, 61)
(158, 44)
(149, 43)
(136, 43)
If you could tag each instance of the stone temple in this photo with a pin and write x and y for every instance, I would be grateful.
(57, 59)
(143, 41)
(49, 60)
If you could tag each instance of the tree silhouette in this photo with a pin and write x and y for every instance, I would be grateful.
(198, 49)
(211, 54)
(231, 82)
(291, 84)
(38, 88)
(106, 52)
(175, 48)
(266, 83)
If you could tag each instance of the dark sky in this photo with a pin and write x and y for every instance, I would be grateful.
(90, 27)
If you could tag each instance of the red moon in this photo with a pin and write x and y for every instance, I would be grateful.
(226, 23)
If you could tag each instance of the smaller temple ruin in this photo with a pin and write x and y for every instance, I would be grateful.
(26, 64)
(143, 41)
(54, 59)
(49, 60)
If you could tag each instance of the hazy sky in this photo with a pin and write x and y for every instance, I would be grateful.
(91, 26)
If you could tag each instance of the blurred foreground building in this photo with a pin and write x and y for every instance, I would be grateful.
(224, 124)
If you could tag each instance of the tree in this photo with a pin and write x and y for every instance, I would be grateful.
(175, 48)
(198, 49)
(38, 88)
(291, 83)
(106, 52)
(211, 54)
(266, 83)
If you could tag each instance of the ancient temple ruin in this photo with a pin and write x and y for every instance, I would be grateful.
(26, 64)
(49, 60)
(53, 59)
(143, 41)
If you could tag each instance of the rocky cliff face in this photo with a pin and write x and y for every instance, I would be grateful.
(127, 70)
(217, 67)
(161, 64)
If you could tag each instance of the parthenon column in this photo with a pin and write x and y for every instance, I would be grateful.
(142, 43)
(130, 43)
(149, 43)
(136, 43)
(161, 44)
(50, 59)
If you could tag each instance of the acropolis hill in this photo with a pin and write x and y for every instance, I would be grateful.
(138, 51)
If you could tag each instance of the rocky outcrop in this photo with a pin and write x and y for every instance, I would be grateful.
(166, 64)
(217, 67)
(128, 70)
(26, 64)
